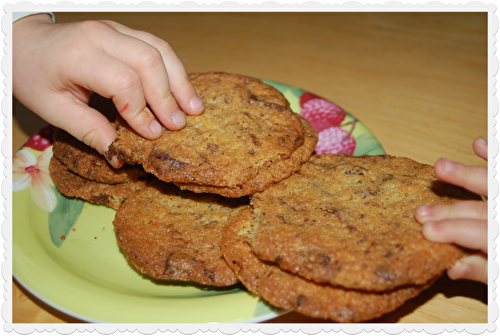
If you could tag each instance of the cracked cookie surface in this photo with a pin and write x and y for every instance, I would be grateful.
(173, 234)
(73, 185)
(246, 132)
(267, 175)
(88, 163)
(349, 221)
(288, 291)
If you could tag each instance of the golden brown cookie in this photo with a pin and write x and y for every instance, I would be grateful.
(173, 234)
(240, 144)
(349, 221)
(285, 290)
(73, 185)
(267, 175)
(88, 163)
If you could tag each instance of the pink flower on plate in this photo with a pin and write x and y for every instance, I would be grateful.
(32, 172)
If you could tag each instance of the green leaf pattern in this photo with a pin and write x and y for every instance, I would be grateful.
(64, 217)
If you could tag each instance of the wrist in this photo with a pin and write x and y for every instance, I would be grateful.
(27, 46)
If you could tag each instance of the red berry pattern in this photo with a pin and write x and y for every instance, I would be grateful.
(307, 96)
(322, 114)
(335, 140)
(41, 140)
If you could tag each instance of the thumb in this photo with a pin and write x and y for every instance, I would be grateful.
(473, 267)
(86, 124)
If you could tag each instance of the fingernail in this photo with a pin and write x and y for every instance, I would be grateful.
(423, 211)
(156, 127)
(482, 140)
(179, 118)
(458, 270)
(113, 160)
(196, 104)
(116, 162)
(429, 231)
(448, 165)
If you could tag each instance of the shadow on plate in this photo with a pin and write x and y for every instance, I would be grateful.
(179, 283)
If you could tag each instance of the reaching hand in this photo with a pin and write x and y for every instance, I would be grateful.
(56, 65)
(464, 223)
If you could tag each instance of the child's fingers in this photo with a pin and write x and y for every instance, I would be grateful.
(472, 178)
(480, 147)
(84, 123)
(181, 86)
(148, 63)
(463, 209)
(469, 233)
(473, 267)
(113, 79)
(178, 81)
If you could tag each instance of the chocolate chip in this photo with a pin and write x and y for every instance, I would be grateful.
(385, 272)
(299, 301)
(213, 148)
(173, 163)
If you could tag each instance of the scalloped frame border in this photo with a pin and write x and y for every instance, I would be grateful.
(9, 328)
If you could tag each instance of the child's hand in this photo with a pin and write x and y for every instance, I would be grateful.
(463, 223)
(56, 65)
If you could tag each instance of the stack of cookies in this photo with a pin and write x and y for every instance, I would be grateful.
(337, 240)
(238, 196)
(247, 139)
(80, 171)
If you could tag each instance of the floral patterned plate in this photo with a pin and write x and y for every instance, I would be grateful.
(65, 251)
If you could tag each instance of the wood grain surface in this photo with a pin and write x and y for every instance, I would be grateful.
(418, 81)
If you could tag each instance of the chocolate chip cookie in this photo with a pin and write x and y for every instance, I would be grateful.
(286, 290)
(88, 163)
(172, 234)
(348, 221)
(73, 185)
(247, 138)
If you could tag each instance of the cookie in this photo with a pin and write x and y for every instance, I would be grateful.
(348, 221)
(88, 163)
(73, 185)
(285, 290)
(266, 176)
(172, 234)
(247, 130)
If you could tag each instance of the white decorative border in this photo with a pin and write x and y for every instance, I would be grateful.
(264, 6)
(260, 6)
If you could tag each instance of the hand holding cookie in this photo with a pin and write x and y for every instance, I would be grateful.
(56, 66)
(464, 223)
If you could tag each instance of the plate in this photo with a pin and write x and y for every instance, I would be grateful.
(65, 251)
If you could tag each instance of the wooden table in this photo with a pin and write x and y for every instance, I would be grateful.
(418, 81)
